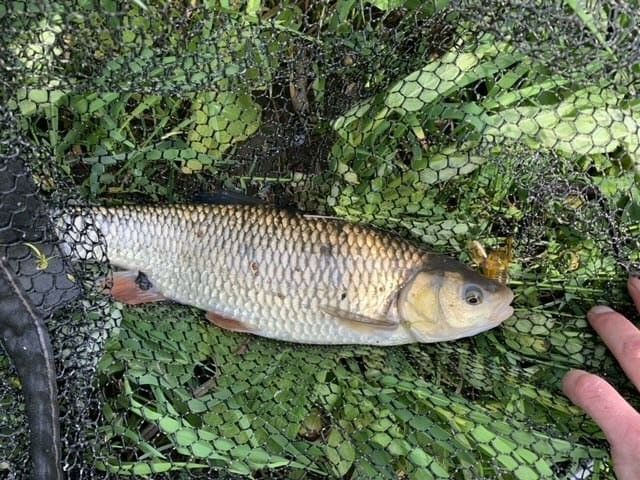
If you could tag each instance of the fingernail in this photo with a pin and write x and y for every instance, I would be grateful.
(599, 310)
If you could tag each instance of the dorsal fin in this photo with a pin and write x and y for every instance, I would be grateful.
(226, 197)
(230, 197)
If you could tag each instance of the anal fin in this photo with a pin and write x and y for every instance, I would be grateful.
(127, 288)
(228, 323)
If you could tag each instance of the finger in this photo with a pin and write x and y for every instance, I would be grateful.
(634, 290)
(621, 336)
(617, 419)
(626, 463)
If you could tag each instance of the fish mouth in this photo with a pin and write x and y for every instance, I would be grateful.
(504, 311)
(502, 314)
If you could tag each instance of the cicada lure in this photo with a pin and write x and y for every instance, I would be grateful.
(495, 263)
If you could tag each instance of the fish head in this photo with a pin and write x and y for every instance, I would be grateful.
(446, 300)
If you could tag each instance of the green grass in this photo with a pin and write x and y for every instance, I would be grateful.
(373, 410)
(473, 140)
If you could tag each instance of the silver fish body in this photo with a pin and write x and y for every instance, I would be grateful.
(294, 277)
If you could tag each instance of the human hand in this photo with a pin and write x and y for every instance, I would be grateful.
(617, 419)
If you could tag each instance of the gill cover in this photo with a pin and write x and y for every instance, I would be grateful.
(418, 301)
(448, 300)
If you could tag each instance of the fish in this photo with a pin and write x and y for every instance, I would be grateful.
(285, 275)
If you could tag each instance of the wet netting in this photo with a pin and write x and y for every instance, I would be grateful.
(510, 127)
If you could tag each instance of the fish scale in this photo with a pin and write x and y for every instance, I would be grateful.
(273, 270)
(289, 276)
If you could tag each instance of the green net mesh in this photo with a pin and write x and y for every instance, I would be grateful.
(444, 121)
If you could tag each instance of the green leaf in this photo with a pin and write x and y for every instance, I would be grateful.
(347, 452)
(169, 425)
(222, 119)
(525, 473)
(600, 130)
(434, 82)
(588, 15)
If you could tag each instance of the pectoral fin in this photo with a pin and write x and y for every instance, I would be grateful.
(228, 323)
(127, 288)
(358, 321)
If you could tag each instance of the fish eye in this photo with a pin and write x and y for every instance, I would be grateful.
(473, 296)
